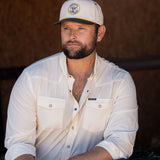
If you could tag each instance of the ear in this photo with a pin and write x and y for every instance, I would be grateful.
(101, 33)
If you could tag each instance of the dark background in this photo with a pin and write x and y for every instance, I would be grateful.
(132, 41)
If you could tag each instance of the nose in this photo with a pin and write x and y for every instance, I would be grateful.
(73, 34)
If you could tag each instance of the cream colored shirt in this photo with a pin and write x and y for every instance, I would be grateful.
(45, 120)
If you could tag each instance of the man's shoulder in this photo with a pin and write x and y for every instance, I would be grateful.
(43, 67)
(110, 68)
(45, 62)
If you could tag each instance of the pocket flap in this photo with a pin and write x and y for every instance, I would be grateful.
(100, 103)
(50, 103)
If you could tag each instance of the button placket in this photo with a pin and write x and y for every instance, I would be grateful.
(70, 137)
(86, 91)
(70, 83)
(72, 129)
(75, 108)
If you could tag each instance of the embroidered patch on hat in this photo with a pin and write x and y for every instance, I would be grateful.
(74, 8)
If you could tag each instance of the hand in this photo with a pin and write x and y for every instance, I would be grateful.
(25, 157)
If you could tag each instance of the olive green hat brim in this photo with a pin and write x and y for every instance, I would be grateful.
(77, 20)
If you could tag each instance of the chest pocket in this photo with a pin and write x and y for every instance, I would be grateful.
(96, 114)
(50, 112)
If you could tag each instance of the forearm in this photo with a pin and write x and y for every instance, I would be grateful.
(97, 153)
(25, 157)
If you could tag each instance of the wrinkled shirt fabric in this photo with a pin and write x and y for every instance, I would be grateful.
(46, 121)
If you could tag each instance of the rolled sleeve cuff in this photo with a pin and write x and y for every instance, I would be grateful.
(18, 150)
(112, 149)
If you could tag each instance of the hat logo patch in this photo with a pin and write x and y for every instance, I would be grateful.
(74, 8)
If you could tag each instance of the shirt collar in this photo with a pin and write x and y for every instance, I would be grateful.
(63, 64)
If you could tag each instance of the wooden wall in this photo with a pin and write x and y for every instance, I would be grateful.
(133, 31)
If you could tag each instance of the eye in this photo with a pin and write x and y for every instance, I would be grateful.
(66, 28)
(81, 28)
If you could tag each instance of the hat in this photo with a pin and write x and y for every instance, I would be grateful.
(81, 11)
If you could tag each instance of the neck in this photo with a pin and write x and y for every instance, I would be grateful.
(81, 68)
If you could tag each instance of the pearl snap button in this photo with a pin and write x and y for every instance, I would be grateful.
(50, 105)
(100, 106)
(68, 146)
(72, 127)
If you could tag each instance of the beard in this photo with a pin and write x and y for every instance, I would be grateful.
(83, 52)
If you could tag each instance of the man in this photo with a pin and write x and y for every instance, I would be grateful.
(73, 105)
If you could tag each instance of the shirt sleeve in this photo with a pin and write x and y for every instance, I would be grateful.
(21, 120)
(119, 136)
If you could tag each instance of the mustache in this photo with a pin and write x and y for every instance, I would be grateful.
(75, 41)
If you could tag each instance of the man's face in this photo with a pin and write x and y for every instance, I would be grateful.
(78, 40)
